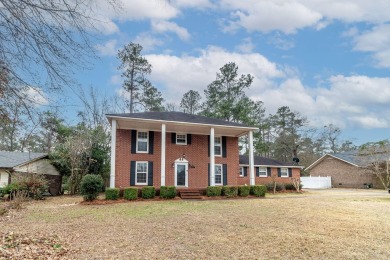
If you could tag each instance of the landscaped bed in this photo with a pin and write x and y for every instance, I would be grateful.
(317, 224)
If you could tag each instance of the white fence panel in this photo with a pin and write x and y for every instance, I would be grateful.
(316, 182)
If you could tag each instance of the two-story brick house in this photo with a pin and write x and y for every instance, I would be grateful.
(177, 149)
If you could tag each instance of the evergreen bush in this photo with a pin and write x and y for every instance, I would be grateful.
(258, 190)
(148, 192)
(90, 186)
(243, 191)
(213, 191)
(167, 192)
(130, 193)
(230, 191)
(112, 193)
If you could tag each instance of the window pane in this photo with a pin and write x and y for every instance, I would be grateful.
(181, 139)
(143, 135)
(217, 150)
(142, 146)
(263, 171)
(141, 167)
(141, 177)
(218, 174)
(218, 179)
(284, 172)
(217, 140)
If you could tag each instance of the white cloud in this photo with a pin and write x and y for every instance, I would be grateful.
(179, 74)
(148, 41)
(109, 48)
(376, 41)
(199, 4)
(34, 96)
(289, 16)
(165, 26)
(281, 42)
(246, 46)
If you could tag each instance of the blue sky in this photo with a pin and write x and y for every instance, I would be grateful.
(327, 59)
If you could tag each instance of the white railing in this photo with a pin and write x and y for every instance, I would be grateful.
(316, 182)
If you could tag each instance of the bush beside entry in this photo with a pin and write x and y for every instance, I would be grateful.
(243, 191)
(230, 191)
(90, 187)
(258, 190)
(213, 191)
(167, 192)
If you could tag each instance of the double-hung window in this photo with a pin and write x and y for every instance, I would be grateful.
(262, 172)
(241, 171)
(284, 172)
(141, 173)
(142, 142)
(218, 146)
(218, 174)
(181, 139)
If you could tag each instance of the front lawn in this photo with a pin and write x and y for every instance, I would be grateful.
(318, 224)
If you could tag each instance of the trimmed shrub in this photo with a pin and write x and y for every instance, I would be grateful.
(230, 191)
(213, 191)
(289, 186)
(167, 192)
(270, 187)
(112, 193)
(258, 190)
(90, 186)
(243, 191)
(148, 192)
(130, 193)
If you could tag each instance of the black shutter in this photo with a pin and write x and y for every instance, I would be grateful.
(133, 141)
(224, 172)
(257, 171)
(132, 173)
(245, 171)
(189, 137)
(289, 172)
(224, 147)
(150, 174)
(279, 172)
(268, 171)
(151, 142)
(208, 175)
(208, 146)
(173, 138)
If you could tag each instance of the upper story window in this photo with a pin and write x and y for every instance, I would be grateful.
(284, 172)
(181, 139)
(262, 172)
(142, 142)
(218, 146)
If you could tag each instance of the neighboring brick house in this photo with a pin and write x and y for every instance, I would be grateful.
(177, 149)
(345, 169)
(17, 163)
(267, 170)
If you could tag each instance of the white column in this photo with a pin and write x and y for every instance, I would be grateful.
(251, 160)
(113, 146)
(212, 158)
(163, 141)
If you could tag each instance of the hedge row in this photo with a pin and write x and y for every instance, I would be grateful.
(148, 192)
(234, 191)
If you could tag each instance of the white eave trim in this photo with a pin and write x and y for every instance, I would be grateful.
(322, 158)
(275, 166)
(246, 128)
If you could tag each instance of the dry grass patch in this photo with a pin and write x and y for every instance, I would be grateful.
(318, 224)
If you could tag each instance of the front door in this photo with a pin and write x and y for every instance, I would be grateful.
(181, 177)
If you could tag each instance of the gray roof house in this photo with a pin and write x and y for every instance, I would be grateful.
(347, 170)
(16, 163)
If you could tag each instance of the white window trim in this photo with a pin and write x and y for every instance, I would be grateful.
(147, 141)
(220, 165)
(184, 138)
(266, 173)
(136, 173)
(281, 172)
(220, 144)
(241, 171)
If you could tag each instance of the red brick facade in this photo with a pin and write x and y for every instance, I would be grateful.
(196, 153)
(296, 173)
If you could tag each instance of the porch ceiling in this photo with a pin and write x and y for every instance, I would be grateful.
(179, 127)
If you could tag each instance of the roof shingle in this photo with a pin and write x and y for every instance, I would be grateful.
(12, 159)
